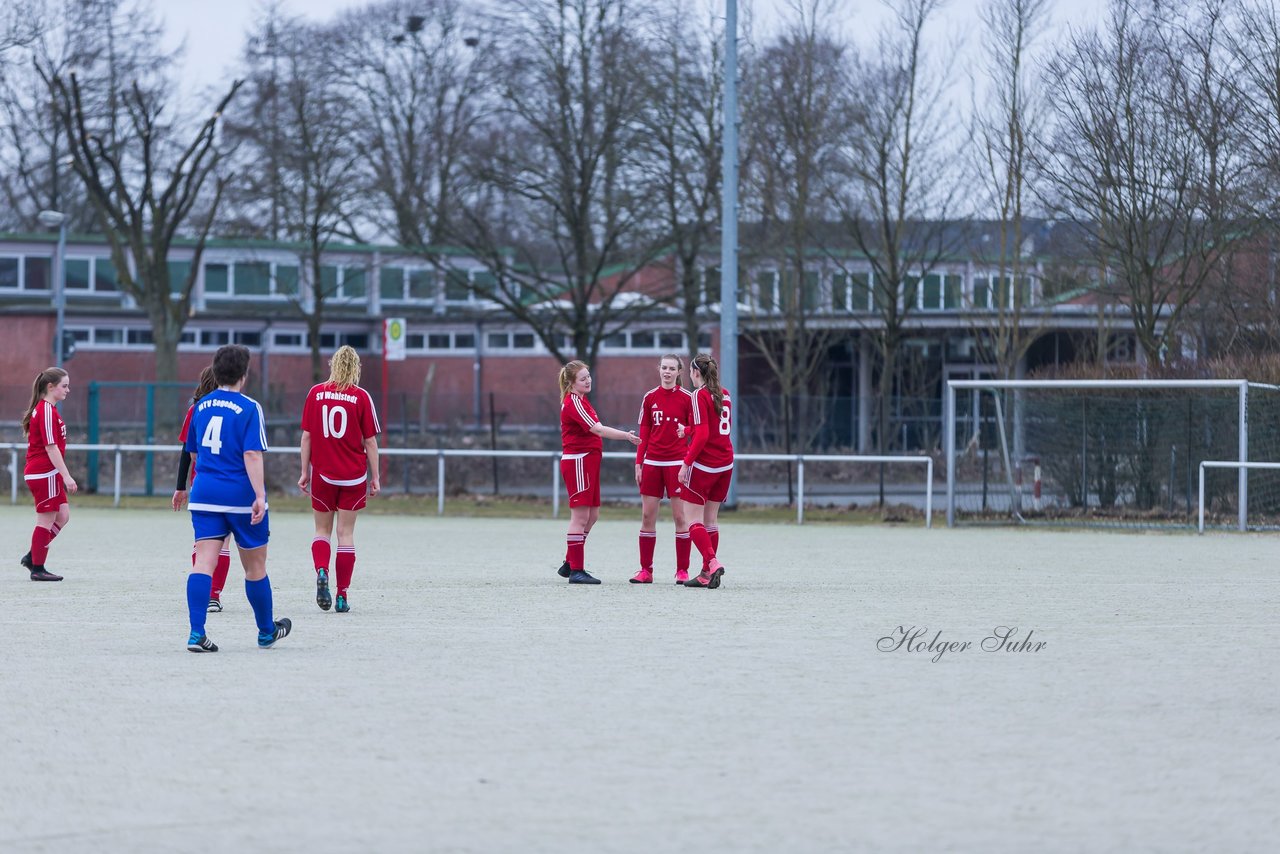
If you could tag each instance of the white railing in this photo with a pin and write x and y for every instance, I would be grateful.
(1225, 464)
(441, 454)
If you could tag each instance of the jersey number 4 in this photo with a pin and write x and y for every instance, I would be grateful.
(333, 421)
(212, 438)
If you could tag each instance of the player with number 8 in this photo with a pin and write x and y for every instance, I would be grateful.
(339, 468)
(708, 467)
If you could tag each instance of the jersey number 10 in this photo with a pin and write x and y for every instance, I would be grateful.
(333, 421)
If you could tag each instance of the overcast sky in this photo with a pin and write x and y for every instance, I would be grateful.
(214, 29)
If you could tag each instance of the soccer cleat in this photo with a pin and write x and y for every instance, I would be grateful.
(706, 579)
(581, 576)
(283, 626)
(26, 561)
(644, 576)
(323, 598)
(343, 606)
(564, 571)
(39, 573)
(215, 606)
(200, 643)
(682, 575)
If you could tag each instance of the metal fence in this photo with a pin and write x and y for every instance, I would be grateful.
(801, 461)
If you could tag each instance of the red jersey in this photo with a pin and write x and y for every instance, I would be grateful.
(711, 448)
(576, 420)
(182, 436)
(46, 428)
(339, 423)
(660, 414)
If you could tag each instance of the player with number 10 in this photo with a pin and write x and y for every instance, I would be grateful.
(339, 468)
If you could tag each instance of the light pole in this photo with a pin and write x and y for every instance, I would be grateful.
(729, 231)
(57, 219)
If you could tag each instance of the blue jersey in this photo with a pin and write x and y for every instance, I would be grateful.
(224, 425)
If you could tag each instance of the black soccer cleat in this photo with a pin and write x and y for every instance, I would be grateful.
(39, 573)
(564, 571)
(201, 643)
(26, 561)
(323, 598)
(283, 626)
(581, 576)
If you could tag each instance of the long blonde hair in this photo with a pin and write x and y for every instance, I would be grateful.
(568, 374)
(344, 368)
(44, 379)
(710, 370)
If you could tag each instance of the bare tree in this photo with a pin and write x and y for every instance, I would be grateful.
(799, 109)
(106, 42)
(414, 72)
(562, 218)
(301, 157)
(898, 205)
(1138, 159)
(684, 125)
(144, 189)
(1004, 127)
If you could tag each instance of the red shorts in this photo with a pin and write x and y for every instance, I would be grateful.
(581, 473)
(47, 490)
(328, 497)
(706, 485)
(660, 481)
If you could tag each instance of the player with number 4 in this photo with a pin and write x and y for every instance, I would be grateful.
(339, 468)
(228, 437)
(708, 466)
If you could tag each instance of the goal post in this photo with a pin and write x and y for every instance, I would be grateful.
(1121, 451)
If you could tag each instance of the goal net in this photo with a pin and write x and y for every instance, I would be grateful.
(1111, 452)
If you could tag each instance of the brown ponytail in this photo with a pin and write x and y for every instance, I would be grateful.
(710, 371)
(46, 378)
(207, 384)
(568, 374)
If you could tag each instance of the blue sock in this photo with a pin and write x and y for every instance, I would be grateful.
(259, 593)
(199, 587)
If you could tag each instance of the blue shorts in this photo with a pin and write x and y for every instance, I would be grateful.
(215, 526)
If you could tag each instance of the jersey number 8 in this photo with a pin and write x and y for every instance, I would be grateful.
(333, 422)
(724, 420)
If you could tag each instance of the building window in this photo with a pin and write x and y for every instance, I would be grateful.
(287, 280)
(353, 283)
(288, 339)
(766, 290)
(498, 340)
(422, 285)
(248, 339)
(391, 284)
(108, 337)
(36, 274)
(456, 286)
(253, 279)
(9, 273)
(214, 337)
(464, 341)
(178, 273)
(78, 274)
(673, 341)
(617, 341)
(439, 341)
(643, 340)
(138, 336)
(217, 278)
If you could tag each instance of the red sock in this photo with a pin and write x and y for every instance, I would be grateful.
(648, 539)
(220, 570)
(683, 544)
(40, 538)
(574, 552)
(702, 541)
(345, 567)
(713, 531)
(320, 553)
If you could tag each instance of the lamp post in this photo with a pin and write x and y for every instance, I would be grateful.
(729, 231)
(57, 219)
